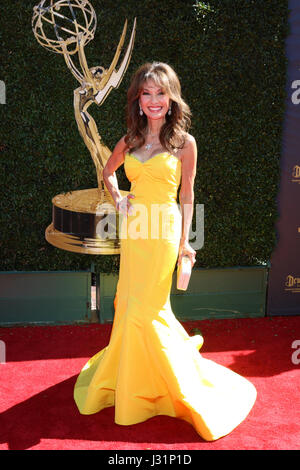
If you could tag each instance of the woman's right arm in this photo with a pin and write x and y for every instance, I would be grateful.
(109, 176)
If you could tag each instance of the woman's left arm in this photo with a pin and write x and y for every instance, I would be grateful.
(186, 195)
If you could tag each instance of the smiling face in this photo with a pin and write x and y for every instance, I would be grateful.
(154, 101)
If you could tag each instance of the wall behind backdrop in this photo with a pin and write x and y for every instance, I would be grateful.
(230, 58)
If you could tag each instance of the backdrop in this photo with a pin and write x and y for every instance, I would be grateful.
(284, 277)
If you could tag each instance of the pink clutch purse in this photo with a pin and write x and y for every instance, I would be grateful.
(184, 272)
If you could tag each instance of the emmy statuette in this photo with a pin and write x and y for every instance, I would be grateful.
(77, 215)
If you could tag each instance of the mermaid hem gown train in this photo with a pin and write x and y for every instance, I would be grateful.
(151, 366)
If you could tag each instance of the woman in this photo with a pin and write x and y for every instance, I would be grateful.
(151, 366)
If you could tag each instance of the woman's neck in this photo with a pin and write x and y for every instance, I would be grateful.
(154, 126)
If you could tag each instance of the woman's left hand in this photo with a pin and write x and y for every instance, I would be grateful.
(186, 249)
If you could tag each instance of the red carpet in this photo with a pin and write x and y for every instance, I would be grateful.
(42, 363)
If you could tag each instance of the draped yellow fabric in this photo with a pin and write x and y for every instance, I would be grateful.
(151, 366)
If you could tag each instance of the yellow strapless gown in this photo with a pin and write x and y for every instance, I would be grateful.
(151, 366)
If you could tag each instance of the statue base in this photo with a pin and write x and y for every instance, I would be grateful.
(79, 222)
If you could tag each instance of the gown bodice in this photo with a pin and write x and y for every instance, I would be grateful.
(156, 180)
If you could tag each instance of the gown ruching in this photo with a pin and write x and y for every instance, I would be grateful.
(151, 366)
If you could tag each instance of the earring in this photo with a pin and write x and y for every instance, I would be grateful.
(170, 111)
(141, 111)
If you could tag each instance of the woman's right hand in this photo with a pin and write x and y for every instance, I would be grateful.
(124, 206)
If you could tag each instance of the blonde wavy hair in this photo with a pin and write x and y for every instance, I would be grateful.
(173, 131)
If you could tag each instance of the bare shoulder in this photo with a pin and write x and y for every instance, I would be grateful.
(189, 150)
(117, 157)
(190, 142)
(121, 145)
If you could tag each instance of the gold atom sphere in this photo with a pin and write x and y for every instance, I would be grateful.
(63, 22)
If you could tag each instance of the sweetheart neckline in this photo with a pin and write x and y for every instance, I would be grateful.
(151, 158)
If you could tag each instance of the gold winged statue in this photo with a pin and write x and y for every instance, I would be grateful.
(79, 218)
